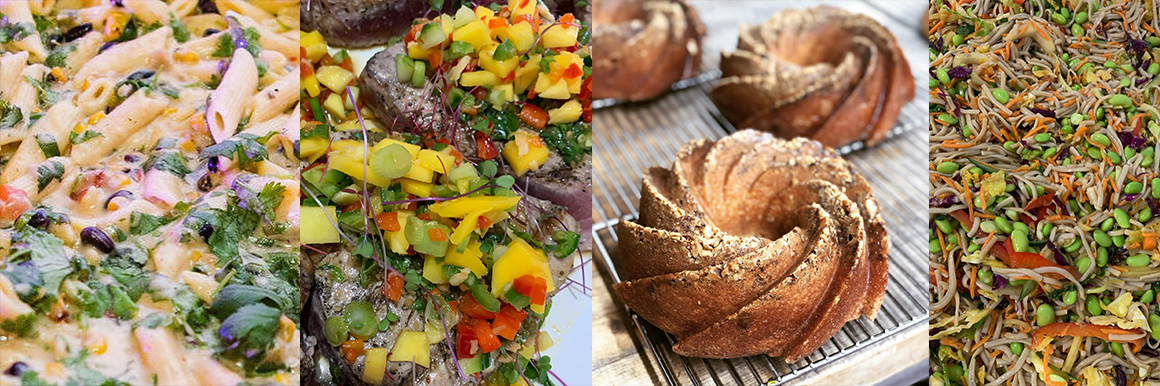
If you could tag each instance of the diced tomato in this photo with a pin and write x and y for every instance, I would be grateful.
(463, 343)
(505, 326)
(394, 286)
(388, 221)
(307, 69)
(511, 76)
(347, 64)
(534, 116)
(468, 306)
(351, 349)
(13, 203)
(534, 287)
(484, 148)
(586, 115)
(436, 234)
(488, 342)
(482, 222)
(586, 88)
(573, 71)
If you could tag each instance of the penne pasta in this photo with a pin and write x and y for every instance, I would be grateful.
(229, 102)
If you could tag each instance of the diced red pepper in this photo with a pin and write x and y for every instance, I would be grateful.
(347, 64)
(482, 222)
(468, 306)
(497, 22)
(351, 349)
(415, 29)
(586, 88)
(534, 287)
(532, 19)
(307, 69)
(394, 286)
(1029, 260)
(568, 18)
(435, 58)
(484, 148)
(573, 71)
(436, 234)
(466, 335)
(518, 315)
(964, 218)
(488, 342)
(388, 221)
(425, 216)
(505, 326)
(534, 116)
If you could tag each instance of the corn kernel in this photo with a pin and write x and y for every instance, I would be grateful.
(195, 257)
(96, 117)
(79, 128)
(59, 75)
(169, 111)
(96, 344)
(185, 57)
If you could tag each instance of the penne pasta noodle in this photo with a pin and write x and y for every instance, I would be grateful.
(229, 102)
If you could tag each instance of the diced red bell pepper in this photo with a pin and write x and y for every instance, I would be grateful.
(573, 71)
(351, 349)
(534, 287)
(1040, 201)
(964, 218)
(533, 116)
(497, 22)
(436, 234)
(415, 29)
(568, 18)
(466, 335)
(470, 307)
(1028, 260)
(482, 222)
(505, 326)
(518, 315)
(394, 286)
(388, 221)
(488, 342)
(435, 58)
(484, 148)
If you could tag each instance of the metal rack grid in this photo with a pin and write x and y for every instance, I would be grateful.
(632, 138)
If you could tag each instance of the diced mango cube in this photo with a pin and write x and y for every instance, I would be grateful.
(521, 34)
(318, 225)
(313, 43)
(519, 260)
(435, 161)
(376, 365)
(526, 153)
(412, 346)
(397, 240)
(500, 68)
(333, 105)
(433, 270)
(334, 78)
(559, 36)
(471, 258)
(478, 78)
(475, 33)
(568, 112)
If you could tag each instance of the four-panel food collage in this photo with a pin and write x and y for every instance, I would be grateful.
(579, 192)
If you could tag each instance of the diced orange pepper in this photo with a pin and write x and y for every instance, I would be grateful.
(388, 221)
(351, 349)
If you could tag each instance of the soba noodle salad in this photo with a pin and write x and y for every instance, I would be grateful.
(1044, 192)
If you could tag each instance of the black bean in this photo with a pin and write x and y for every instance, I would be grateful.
(97, 238)
(209, 31)
(206, 230)
(207, 6)
(75, 33)
(205, 183)
(142, 74)
(17, 369)
(39, 220)
(133, 158)
(106, 46)
(214, 164)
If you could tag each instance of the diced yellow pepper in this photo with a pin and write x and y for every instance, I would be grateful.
(318, 225)
(313, 43)
(310, 85)
(460, 207)
(527, 73)
(415, 51)
(419, 189)
(525, 153)
(334, 78)
(432, 270)
(435, 161)
(413, 149)
(471, 258)
(547, 89)
(312, 148)
(475, 33)
(568, 112)
(478, 78)
(375, 366)
(419, 173)
(351, 161)
(519, 260)
(500, 68)
(412, 346)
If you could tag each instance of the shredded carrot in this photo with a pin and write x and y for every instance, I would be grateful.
(951, 342)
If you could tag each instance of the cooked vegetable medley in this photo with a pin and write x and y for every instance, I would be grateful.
(1044, 188)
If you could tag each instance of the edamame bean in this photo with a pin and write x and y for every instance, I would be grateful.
(1065, 12)
(1083, 264)
(1107, 224)
(986, 276)
(1154, 322)
(1133, 187)
(935, 247)
(933, 83)
(972, 247)
(1156, 188)
(1120, 100)
(1001, 95)
(943, 225)
(1154, 68)
(1044, 315)
(1102, 257)
(1125, 82)
(1009, 146)
(1016, 348)
(958, 40)
(1069, 297)
(1073, 246)
(1076, 30)
(1148, 297)
(948, 119)
(1081, 17)
(1101, 139)
(1095, 153)
(943, 76)
(952, 239)
(1118, 240)
(1042, 137)
(1116, 348)
(1019, 226)
(1102, 238)
(1144, 215)
(1058, 18)
(1129, 153)
(1114, 158)
(1093, 306)
(1019, 240)
(1110, 63)
(1076, 118)
(947, 167)
(1003, 225)
(1138, 260)
(1050, 152)
(1121, 217)
(1045, 229)
(1153, 40)
(987, 226)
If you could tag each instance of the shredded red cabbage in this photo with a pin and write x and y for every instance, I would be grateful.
(959, 72)
(1043, 112)
(998, 282)
(1130, 140)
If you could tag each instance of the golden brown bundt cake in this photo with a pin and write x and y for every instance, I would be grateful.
(753, 245)
(821, 73)
(641, 47)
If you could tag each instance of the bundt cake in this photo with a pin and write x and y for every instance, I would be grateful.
(753, 245)
(821, 73)
(641, 47)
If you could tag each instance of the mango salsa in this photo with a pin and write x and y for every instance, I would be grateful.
(317, 225)
(376, 365)
(526, 153)
(519, 260)
(471, 258)
(412, 346)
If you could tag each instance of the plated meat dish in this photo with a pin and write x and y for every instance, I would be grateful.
(434, 251)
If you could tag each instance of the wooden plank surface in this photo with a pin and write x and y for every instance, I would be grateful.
(619, 356)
